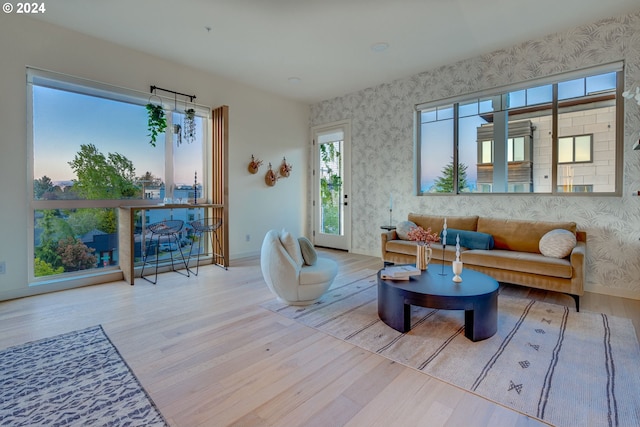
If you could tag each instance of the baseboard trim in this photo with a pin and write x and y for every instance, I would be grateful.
(614, 292)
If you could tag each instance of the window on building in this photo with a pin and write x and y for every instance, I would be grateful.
(90, 154)
(575, 149)
(545, 137)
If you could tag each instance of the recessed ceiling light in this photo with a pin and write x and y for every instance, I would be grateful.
(294, 80)
(208, 28)
(379, 47)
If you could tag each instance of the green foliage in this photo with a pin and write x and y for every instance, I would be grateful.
(42, 186)
(53, 228)
(75, 255)
(43, 268)
(330, 187)
(157, 122)
(444, 183)
(100, 177)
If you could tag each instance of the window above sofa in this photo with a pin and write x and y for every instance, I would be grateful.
(559, 135)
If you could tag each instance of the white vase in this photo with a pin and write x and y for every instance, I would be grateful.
(423, 256)
(457, 270)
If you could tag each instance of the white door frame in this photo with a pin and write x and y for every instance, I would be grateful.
(342, 241)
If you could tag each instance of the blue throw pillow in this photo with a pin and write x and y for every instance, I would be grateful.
(469, 239)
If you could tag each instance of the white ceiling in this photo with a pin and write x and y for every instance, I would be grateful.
(324, 43)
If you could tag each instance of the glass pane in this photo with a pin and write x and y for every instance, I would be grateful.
(165, 245)
(469, 109)
(539, 95)
(565, 150)
(187, 155)
(74, 239)
(87, 147)
(428, 116)
(331, 189)
(487, 155)
(468, 168)
(517, 99)
(518, 149)
(583, 148)
(601, 82)
(592, 127)
(445, 112)
(436, 152)
(485, 106)
(571, 89)
(510, 150)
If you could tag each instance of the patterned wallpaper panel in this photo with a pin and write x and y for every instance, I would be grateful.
(382, 148)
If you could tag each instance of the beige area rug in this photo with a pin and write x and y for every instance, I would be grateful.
(567, 368)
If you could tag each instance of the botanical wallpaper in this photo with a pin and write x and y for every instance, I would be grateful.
(382, 153)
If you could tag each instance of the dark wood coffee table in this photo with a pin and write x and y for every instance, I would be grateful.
(477, 295)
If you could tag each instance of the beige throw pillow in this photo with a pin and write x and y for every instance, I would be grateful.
(292, 247)
(403, 228)
(557, 243)
(308, 251)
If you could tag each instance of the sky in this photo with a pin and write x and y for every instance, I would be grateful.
(62, 121)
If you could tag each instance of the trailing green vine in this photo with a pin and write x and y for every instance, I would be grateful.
(157, 122)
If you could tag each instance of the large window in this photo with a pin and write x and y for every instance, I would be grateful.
(90, 154)
(559, 135)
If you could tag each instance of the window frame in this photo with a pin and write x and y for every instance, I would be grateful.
(65, 82)
(501, 93)
(573, 149)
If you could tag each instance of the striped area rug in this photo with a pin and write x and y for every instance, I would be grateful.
(74, 379)
(546, 360)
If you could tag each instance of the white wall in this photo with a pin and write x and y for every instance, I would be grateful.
(260, 123)
(382, 148)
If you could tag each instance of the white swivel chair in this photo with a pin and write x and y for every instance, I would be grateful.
(286, 273)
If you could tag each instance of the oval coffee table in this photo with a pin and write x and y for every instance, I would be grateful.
(477, 295)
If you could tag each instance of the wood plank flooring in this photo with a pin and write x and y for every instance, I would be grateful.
(209, 355)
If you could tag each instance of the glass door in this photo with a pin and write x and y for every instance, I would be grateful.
(332, 219)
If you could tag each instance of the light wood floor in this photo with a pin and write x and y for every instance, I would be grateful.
(209, 355)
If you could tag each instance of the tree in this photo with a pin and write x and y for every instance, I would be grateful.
(53, 229)
(43, 268)
(44, 188)
(444, 183)
(103, 177)
(75, 255)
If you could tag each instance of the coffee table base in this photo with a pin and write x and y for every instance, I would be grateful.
(480, 312)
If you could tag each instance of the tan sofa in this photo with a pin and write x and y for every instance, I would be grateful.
(515, 258)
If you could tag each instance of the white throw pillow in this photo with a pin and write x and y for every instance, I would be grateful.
(403, 228)
(292, 247)
(557, 243)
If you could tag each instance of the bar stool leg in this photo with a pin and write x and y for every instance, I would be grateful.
(199, 234)
(146, 255)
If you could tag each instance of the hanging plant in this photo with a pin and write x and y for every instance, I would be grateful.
(189, 125)
(156, 123)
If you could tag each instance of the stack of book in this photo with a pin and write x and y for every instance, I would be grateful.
(399, 272)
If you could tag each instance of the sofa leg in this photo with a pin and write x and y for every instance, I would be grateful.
(577, 300)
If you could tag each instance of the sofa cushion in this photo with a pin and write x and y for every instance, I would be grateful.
(519, 235)
(309, 254)
(469, 239)
(525, 262)
(557, 243)
(436, 222)
(403, 228)
(292, 247)
(407, 247)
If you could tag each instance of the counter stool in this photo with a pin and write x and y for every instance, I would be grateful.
(209, 226)
(168, 230)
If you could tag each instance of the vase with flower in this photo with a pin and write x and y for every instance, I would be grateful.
(424, 239)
